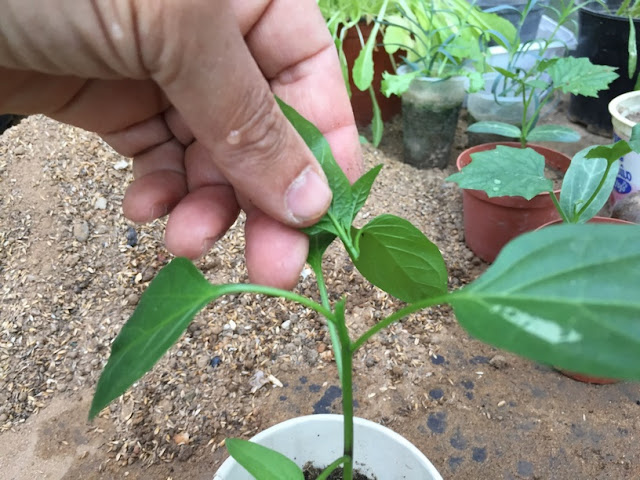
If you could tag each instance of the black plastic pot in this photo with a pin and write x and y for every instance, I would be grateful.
(604, 39)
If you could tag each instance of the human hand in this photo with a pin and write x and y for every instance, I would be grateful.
(186, 89)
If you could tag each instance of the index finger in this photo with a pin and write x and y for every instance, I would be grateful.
(300, 61)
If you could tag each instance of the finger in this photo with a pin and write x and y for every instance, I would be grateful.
(138, 138)
(297, 68)
(239, 123)
(153, 195)
(200, 219)
(275, 253)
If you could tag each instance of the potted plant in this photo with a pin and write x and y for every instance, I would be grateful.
(444, 43)
(357, 36)
(607, 36)
(586, 188)
(501, 99)
(517, 304)
(490, 222)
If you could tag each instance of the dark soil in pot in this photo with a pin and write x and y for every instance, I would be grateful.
(312, 473)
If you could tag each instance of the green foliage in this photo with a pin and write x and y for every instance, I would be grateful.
(553, 133)
(396, 257)
(262, 462)
(439, 38)
(496, 128)
(164, 312)
(523, 177)
(580, 77)
(587, 178)
(565, 296)
(587, 184)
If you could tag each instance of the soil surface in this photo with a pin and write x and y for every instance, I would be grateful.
(71, 272)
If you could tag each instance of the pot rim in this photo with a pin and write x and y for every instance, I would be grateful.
(615, 104)
(306, 422)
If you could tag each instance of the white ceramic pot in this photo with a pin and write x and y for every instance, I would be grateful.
(625, 113)
(318, 438)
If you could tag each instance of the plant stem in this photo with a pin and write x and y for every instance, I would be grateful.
(556, 203)
(324, 298)
(233, 288)
(394, 317)
(327, 471)
(593, 196)
(344, 236)
(347, 394)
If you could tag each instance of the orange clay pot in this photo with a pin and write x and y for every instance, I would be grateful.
(489, 223)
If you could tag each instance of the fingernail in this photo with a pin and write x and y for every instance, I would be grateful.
(308, 196)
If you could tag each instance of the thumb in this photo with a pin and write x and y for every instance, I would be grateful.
(209, 74)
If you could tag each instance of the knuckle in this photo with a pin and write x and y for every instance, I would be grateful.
(257, 131)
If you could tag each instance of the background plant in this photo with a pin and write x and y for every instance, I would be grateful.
(543, 298)
(344, 15)
(441, 39)
(563, 75)
(585, 188)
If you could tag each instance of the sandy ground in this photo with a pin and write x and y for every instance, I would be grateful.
(69, 279)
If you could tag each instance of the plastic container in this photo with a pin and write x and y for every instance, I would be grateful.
(318, 438)
(625, 113)
(430, 111)
(512, 11)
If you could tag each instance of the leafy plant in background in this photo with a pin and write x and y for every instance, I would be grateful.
(585, 189)
(343, 15)
(567, 75)
(441, 39)
(542, 298)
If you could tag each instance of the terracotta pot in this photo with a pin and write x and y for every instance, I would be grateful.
(489, 223)
(580, 377)
(361, 101)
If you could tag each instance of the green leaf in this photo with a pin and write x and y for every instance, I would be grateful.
(377, 126)
(580, 77)
(363, 66)
(553, 133)
(362, 187)
(166, 308)
(633, 50)
(318, 244)
(566, 296)
(262, 462)
(341, 205)
(397, 257)
(496, 128)
(397, 84)
(634, 141)
(505, 172)
(581, 181)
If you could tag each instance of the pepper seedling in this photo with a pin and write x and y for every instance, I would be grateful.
(585, 188)
(554, 296)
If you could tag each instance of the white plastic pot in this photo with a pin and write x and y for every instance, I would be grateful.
(625, 113)
(318, 438)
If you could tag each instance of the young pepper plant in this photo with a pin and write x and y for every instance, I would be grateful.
(585, 188)
(555, 296)
(577, 76)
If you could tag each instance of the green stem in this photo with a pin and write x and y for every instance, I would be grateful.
(347, 394)
(327, 471)
(233, 288)
(344, 236)
(324, 298)
(556, 203)
(394, 317)
(593, 196)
